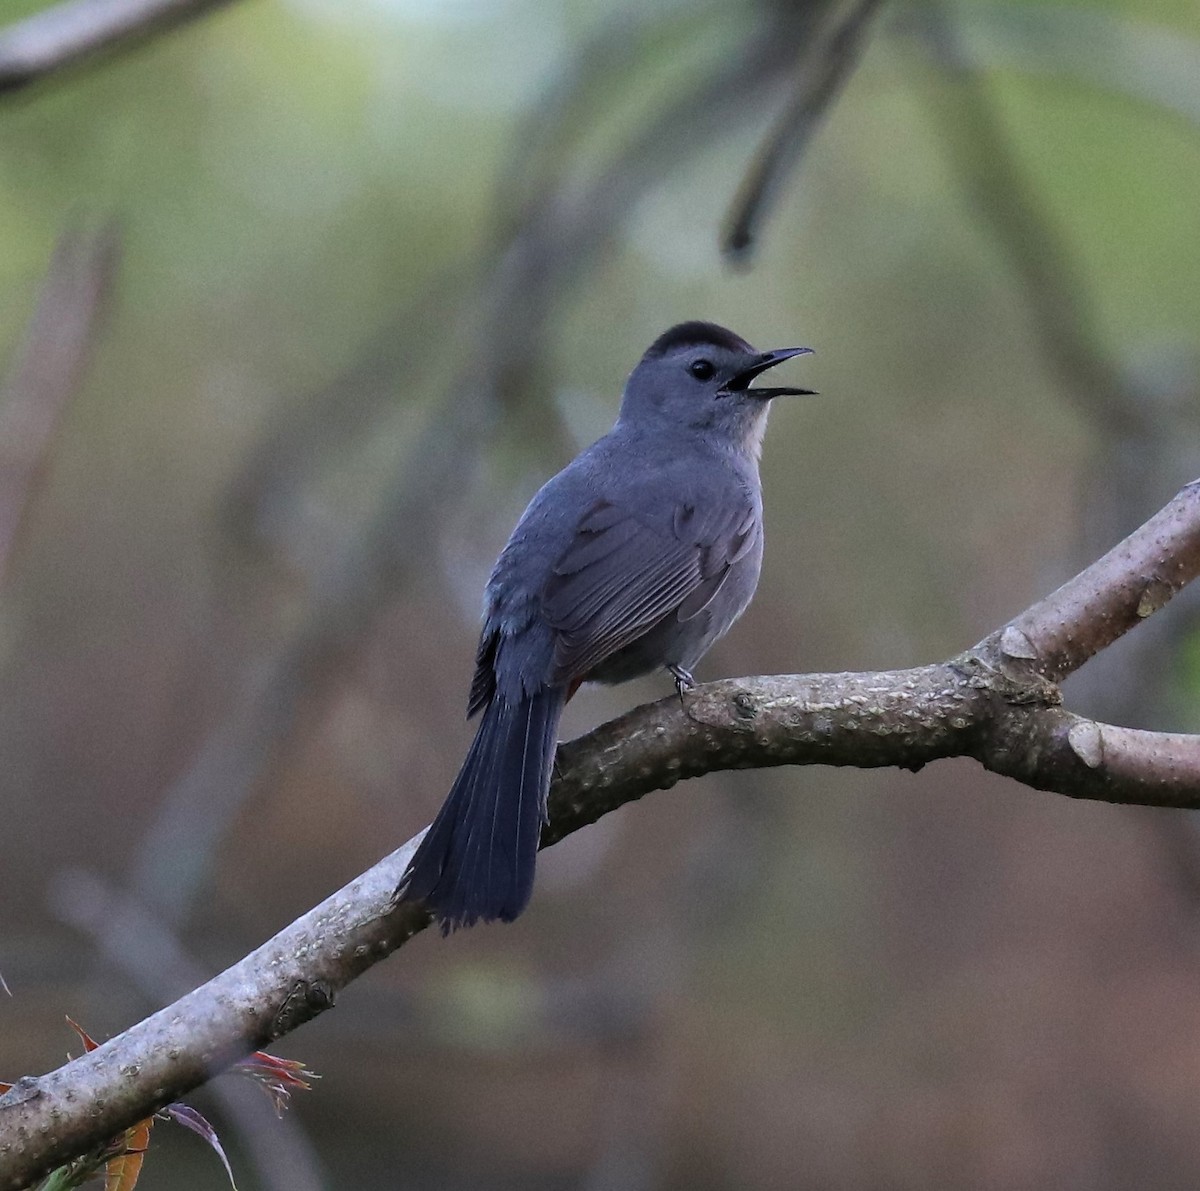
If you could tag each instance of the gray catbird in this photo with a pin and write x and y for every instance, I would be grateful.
(637, 555)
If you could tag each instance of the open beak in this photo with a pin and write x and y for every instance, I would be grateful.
(740, 383)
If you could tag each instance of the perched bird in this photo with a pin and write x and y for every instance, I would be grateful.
(637, 555)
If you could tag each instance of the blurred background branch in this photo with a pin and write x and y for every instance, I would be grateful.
(817, 85)
(66, 34)
(48, 368)
(998, 193)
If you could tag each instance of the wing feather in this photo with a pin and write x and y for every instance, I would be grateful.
(621, 575)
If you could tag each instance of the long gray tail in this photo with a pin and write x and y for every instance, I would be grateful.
(477, 859)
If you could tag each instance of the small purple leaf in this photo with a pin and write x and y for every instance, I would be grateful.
(189, 1118)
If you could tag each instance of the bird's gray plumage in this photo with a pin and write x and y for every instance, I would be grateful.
(637, 556)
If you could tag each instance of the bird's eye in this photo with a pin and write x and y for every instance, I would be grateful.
(702, 369)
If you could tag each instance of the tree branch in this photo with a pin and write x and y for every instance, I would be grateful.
(997, 703)
(68, 33)
(1133, 580)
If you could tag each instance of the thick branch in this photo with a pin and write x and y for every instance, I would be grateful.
(68, 33)
(1052, 749)
(994, 703)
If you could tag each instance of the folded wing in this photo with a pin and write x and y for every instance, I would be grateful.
(621, 575)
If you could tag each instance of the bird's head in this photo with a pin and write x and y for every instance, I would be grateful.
(701, 376)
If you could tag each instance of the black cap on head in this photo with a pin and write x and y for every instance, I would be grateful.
(696, 334)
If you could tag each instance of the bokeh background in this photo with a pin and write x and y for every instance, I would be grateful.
(299, 304)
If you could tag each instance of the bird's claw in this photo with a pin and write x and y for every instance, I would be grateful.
(683, 680)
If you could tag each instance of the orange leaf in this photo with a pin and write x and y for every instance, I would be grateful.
(121, 1172)
(89, 1043)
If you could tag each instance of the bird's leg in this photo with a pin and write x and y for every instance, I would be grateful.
(555, 771)
(683, 680)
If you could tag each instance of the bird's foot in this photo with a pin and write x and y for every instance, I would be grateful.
(683, 680)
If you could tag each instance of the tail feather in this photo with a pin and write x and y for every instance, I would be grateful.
(477, 859)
